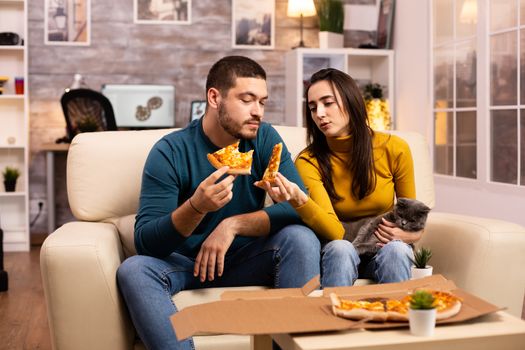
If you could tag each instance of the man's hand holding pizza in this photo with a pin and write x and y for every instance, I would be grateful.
(212, 195)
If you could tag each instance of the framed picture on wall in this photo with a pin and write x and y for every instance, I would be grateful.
(197, 109)
(67, 22)
(162, 11)
(253, 24)
(385, 24)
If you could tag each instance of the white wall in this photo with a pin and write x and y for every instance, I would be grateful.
(412, 66)
(414, 113)
(502, 202)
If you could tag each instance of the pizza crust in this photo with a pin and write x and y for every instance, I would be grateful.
(449, 312)
(239, 171)
(269, 175)
(216, 164)
(396, 316)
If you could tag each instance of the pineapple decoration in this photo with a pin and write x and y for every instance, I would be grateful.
(376, 107)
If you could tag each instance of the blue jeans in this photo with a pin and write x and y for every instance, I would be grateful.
(287, 259)
(341, 265)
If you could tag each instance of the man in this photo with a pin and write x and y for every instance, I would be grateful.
(199, 227)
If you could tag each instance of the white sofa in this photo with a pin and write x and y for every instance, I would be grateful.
(79, 260)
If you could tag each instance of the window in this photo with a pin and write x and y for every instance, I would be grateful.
(496, 35)
(507, 93)
(455, 87)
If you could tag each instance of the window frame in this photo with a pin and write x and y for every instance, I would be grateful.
(483, 106)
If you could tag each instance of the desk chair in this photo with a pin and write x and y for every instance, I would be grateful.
(87, 110)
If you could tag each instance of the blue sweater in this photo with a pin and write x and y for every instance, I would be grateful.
(175, 167)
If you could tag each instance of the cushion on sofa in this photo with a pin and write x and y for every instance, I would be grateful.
(125, 226)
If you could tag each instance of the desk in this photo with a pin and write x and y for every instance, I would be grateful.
(499, 330)
(50, 149)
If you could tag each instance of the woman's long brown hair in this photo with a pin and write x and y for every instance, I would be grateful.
(361, 162)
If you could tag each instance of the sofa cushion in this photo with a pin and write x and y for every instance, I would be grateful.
(126, 226)
(104, 172)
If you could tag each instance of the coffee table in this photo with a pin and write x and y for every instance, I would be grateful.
(499, 330)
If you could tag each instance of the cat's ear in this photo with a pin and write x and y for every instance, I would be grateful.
(425, 208)
(402, 202)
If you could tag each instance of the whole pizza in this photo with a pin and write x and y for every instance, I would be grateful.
(384, 309)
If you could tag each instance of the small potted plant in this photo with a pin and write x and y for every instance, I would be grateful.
(331, 16)
(420, 262)
(422, 313)
(10, 176)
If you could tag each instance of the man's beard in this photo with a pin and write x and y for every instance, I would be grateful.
(230, 126)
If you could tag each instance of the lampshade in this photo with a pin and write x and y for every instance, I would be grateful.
(378, 114)
(296, 8)
(60, 18)
(469, 12)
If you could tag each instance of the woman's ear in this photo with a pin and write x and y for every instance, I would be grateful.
(214, 98)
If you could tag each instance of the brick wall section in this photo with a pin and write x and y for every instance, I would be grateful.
(124, 52)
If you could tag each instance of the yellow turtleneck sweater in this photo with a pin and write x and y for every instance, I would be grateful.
(394, 178)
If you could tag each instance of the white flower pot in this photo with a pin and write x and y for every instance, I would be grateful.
(329, 40)
(422, 322)
(420, 273)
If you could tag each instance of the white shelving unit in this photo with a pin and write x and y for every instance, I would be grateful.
(14, 126)
(364, 65)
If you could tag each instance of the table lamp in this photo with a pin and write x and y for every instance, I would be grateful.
(469, 12)
(378, 114)
(377, 107)
(301, 8)
(60, 18)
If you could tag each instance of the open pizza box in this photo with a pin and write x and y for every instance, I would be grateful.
(274, 311)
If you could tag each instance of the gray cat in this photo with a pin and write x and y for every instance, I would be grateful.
(408, 214)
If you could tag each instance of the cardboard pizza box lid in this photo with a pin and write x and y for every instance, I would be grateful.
(258, 316)
(273, 293)
(291, 311)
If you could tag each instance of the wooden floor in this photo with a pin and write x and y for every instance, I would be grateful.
(23, 316)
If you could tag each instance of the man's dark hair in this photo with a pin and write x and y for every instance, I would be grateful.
(224, 72)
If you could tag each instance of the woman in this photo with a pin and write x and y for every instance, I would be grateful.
(350, 172)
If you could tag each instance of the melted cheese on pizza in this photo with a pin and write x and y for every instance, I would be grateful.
(365, 305)
(273, 163)
(397, 306)
(231, 157)
(444, 300)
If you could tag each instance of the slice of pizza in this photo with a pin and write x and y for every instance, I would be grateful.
(240, 163)
(273, 164)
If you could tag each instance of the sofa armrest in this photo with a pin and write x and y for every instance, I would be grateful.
(85, 311)
(483, 256)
